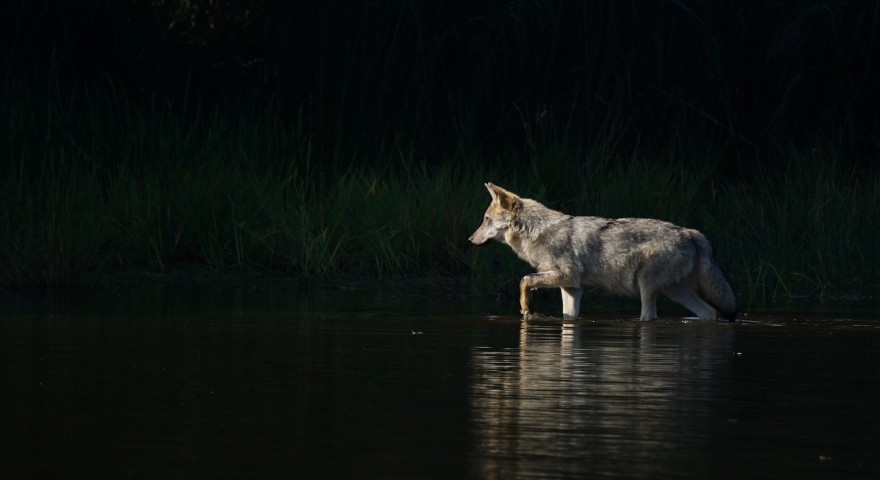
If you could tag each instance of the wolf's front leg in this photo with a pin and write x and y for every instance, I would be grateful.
(524, 307)
(546, 279)
(571, 302)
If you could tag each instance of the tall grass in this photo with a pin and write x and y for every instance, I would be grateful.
(96, 182)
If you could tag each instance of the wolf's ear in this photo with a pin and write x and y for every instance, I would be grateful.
(491, 187)
(507, 200)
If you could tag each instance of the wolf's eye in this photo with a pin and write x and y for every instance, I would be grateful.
(486, 219)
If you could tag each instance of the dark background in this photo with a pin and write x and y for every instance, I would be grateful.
(755, 73)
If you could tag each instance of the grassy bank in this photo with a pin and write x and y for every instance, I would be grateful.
(95, 182)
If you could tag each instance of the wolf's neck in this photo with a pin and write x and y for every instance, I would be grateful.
(531, 222)
(533, 219)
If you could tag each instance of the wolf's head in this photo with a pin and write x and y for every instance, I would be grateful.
(498, 216)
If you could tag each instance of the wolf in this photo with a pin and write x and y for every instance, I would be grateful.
(640, 257)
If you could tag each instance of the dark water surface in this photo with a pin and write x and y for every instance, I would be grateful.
(244, 383)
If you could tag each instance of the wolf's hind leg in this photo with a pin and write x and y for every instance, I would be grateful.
(687, 298)
(546, 279)
(649, 303)
(571, 302)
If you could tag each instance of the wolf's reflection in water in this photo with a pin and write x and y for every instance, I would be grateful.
(580, 397)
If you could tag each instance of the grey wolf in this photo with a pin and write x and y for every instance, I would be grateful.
(639, 257)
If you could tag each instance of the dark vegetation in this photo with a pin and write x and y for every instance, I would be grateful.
(352, 138)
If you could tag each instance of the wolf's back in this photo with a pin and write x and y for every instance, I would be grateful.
(712, 280)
